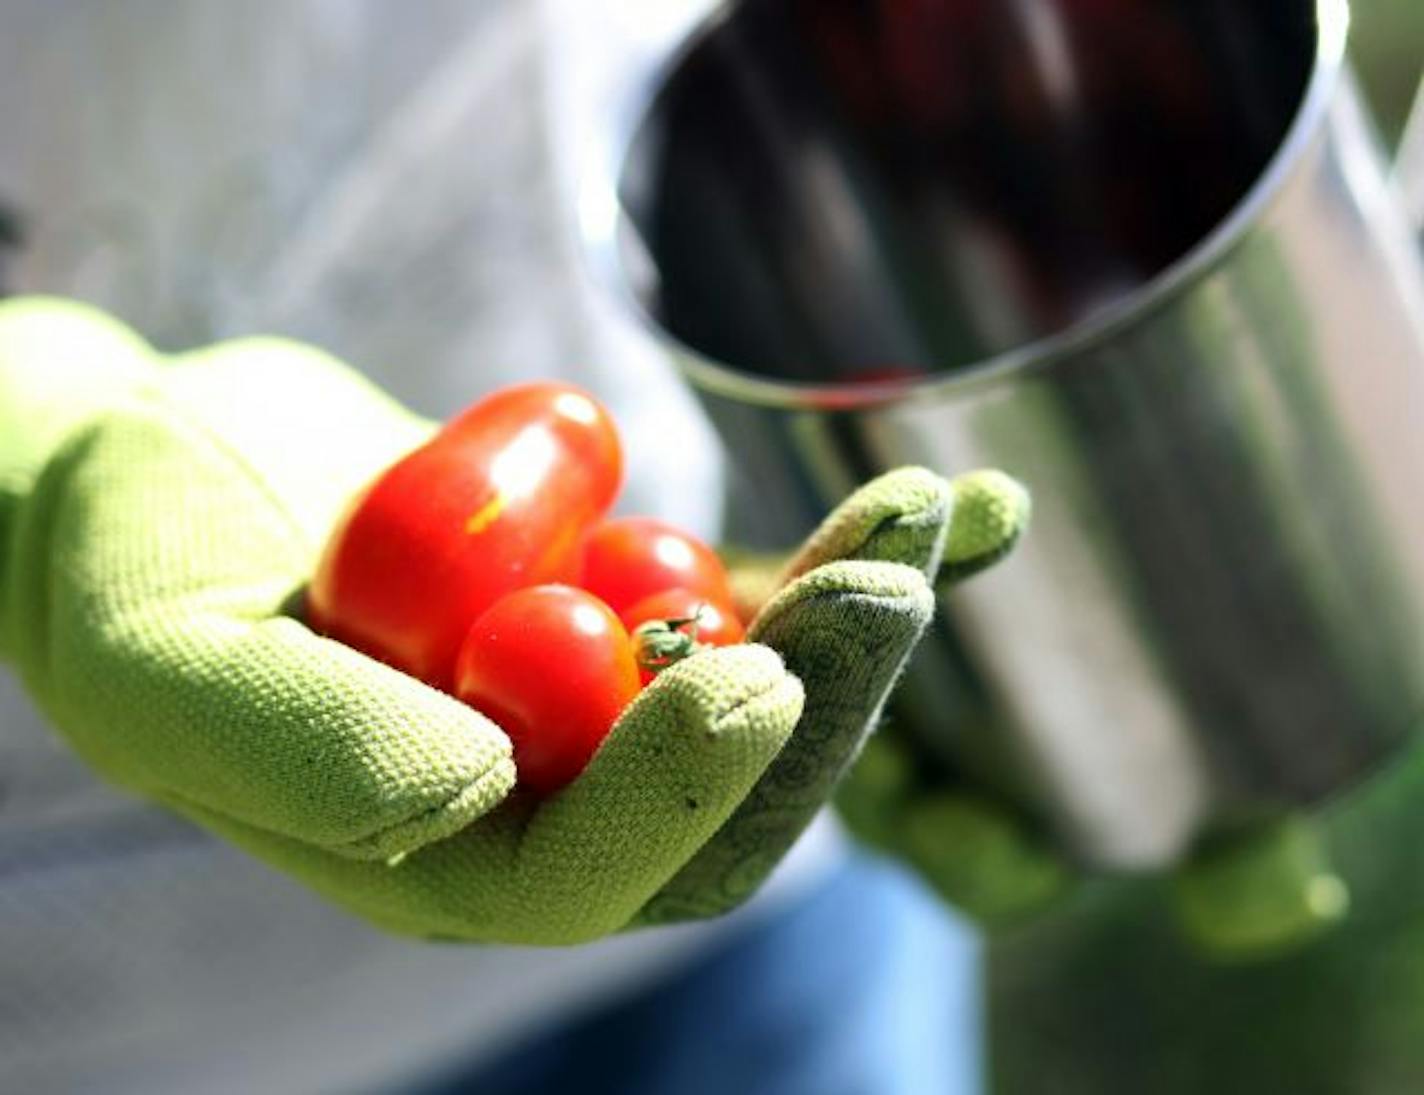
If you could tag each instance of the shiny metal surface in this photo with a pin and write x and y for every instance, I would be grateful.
(1409, 171)
(1142, 256)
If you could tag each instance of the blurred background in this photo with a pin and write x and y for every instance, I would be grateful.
(1387, 43)
(397, 183)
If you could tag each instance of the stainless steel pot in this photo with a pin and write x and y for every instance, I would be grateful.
(1141, 254)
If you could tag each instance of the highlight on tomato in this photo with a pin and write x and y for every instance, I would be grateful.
(554, 668)
(627, 559)
(500, 498)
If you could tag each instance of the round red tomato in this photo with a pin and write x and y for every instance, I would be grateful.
(498, 499)
(693, 620)
(554, 668)
(629, 558)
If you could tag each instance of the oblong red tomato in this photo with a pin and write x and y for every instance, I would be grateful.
(701, 620)
(629, 558)
(499, 498)
(554, 668)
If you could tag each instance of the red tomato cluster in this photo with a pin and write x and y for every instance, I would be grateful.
(484, 564)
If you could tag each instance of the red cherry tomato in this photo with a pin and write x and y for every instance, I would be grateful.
(630, 558)
(698, 620)
(554, 668)
(499, 499)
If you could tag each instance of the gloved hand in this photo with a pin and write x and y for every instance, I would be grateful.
(158, 519)
(974, 851)
(1248, 895)
(1253, 895)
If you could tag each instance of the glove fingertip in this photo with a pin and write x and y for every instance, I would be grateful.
(991, 513)
(468, 804)
(901, 516)
(724, 691)
(302, 736)
(851, 585)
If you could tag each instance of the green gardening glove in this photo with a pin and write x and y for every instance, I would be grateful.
(159, 518)
(974, 850)
(1255, 895)
(977, 853)
(1252, 894)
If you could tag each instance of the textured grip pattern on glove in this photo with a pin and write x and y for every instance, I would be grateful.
(580, 865)
(867, 563)
(152, 633)
(853, 671)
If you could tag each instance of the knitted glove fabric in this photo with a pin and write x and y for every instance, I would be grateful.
(158, 520)
(1245, 896)
(876, 548)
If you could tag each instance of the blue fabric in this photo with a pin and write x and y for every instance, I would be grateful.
(867, 987)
